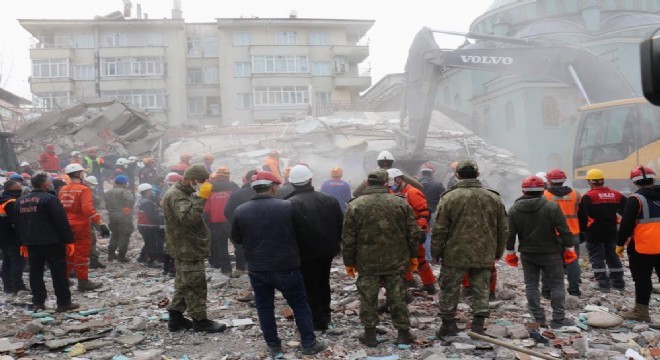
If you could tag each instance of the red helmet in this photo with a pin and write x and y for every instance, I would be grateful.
(26, 176)
(264, 178)
(427, 166)
(556, 176)
(533, 183)
(173, 178)
(642, 173)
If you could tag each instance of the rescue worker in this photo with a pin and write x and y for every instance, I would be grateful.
(452, 175)
(319, 242)
(93, 167)
(168, 262)
(92, 183)
(385, 161)
(208, 159)
(184, 163)
(76, 157)
(148, 173)
(12, 261)
(46, 238)
(597, 215)
(432, 191)
(469, 235)
(49, 161)
(149, 221)
(132, 172)
(119, 202)
(417, 201)
(272, 164)
(268, 228)
(536, 221)
(79, 206)
(26, 168)
(120, 168)
(641, 223)
(380, 241)
(337, 188)
(187, 240)
(236, 199)
(218, 225)
(286, 188)
(569, 203)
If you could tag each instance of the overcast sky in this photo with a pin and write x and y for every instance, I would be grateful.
(396, 24)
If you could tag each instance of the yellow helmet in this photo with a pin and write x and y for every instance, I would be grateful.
(595, 174)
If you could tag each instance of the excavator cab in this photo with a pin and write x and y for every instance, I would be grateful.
(8, 160)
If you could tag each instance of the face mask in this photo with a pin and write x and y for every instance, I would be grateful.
(14, 192)
(196, 185)
(393, 187)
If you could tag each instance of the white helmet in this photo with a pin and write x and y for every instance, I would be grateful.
(75, 153)
(542, 175)
(300, 175)
(385, 155)
(144, 187)
(394, 173)
(132, 159)
(92, 180)
(25, 163)
(122, 161)
(71, 168)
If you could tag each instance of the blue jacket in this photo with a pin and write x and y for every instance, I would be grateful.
(266, 227)
(39, 219)
(432, 191)
(340, 190)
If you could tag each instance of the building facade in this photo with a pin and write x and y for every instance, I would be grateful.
(233, 70)
(12, 110)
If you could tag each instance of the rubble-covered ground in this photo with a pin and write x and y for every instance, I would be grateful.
(126, 319)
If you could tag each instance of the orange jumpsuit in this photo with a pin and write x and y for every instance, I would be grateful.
(417, 201)
(78, 203)
(272, 164)
(493, 279)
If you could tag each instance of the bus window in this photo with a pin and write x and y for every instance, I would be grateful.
(649, 125)
(606, 135)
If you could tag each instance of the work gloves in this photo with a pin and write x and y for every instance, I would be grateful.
(70, 249)
(570, 255)
(23, 250)
(414, 265)
(205, 190)
(105, 232)
(126, 211)
(351, 271)
(511, 258)
(619, 250)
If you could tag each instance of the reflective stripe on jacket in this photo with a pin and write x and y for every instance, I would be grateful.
(78, 203)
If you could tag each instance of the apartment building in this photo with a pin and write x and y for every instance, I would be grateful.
(241, 70)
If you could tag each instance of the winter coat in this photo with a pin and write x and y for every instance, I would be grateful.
(432, 191)
(40, 219)
(598, 213)
(78, 203)
(7, 230)
(470, 229)
(49, 162)
(536, 222)
(409, 180)
(380, 233)
(186, 235)
(417, 201)
(323, 221)
(148, 213)
(633, 212)
(238, 198)
(338, 189)
(148, 175)
(284, 191)
(215, 206)
(266, 227)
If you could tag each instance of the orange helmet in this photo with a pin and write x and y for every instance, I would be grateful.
(336, 172)
(454, 165)
(287, 171)
(185, 157)
(148, 161)
(222, 171)
(274, 153)
(209, 157)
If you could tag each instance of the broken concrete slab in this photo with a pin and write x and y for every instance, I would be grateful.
(131, 340)
(6, 345)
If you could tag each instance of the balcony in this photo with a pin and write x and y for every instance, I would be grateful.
(353, 53)
(50, 53)
(46, 85)
(132, 51)
(361, 83)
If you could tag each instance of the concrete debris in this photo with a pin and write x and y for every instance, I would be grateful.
(603, 319)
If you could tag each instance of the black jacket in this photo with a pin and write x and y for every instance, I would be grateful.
(323, 222)
(7, 231)
(432, 191)
(534, 221)
(285, 190)
(266, 227)
(602, 206)
(238, 198)
(632, 212)
(39, 219)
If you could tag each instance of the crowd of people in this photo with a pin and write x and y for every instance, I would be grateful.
(285, 234)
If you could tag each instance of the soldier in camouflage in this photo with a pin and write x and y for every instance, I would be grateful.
(119, 202)
(92, 182)
(187, 238)
(469, 235)
(379, 239)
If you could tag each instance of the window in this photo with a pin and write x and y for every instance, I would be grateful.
(211, 46)
(83, 72)
(550, 109)
(510, 114)
(139, 66)
(113, 40)
(54, 100)
(321, 69)
(213, 106)
(194, 48)
(281, 95)
(195, 76)
(146, 99)
(323, 98)
(155, 39)
(241, 38)
(242, 69)
(211, 75)
(51, 68)
(243, 101)
(195, 105)
(319, 38)
(286, 38)
(83, 41)
(279, 64)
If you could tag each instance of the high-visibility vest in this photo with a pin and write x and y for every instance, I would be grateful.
(647, 230)
(3, 212)
(569, 207)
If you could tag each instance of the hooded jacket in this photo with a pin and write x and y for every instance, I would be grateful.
(40, 219)
(7, 230)
(536, 221)
(633, 212)
(432, 191)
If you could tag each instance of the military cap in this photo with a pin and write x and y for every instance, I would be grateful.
(378, 175)
(197, 172)
(467, 165)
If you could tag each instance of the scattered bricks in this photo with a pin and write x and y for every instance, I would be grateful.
(163, 302)
(549, 334)
(655, 352)
(287, 313)
(570, 352)
(558, 343)
(532, 326)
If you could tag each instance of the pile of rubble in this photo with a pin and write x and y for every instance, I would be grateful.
(126, 319)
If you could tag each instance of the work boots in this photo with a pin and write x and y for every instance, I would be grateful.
(123, 259)
(639, 312)
(86, 285)
(448, 328)
(95, 264)
(478, 325)
(208, 326)
(405, 337)
(68, 307)
(178, 322)
(369, 337)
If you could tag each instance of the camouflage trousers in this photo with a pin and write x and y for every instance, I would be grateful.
(368, 287)
(94, 253)
(121, 228)
(190, 289)
(450, 282)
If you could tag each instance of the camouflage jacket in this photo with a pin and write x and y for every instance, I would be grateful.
(359, 191)
(380, 233)
(471, 226)
(186, 234)
(116, 199)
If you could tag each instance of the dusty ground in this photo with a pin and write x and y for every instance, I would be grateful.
(129, 322)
